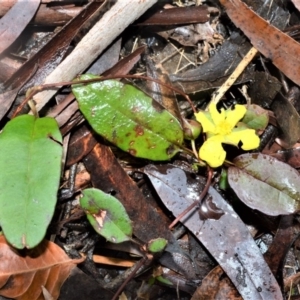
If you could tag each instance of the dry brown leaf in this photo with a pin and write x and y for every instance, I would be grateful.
(268, 40)
(22, 275)
(216, 286)
(297, 4)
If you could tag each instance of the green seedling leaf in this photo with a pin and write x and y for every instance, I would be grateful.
(157, 245)
(129, 119)
(30, 160)
(256, 117)
(266, 184)
(163, 280)
(191, 128)
(223, 182)
(107, 215)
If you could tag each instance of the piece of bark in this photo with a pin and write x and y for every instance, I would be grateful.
(286, 235)
(126, 64)
(112, 24)
(82, 141)
(8, 67)
(177, 15)
(55, 16)
(160, 93)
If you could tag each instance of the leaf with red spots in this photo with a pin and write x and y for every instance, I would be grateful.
(129, 119)
(107, 215)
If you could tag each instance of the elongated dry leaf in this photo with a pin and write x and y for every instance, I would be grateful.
(15, 20)
(30, 157)
(22, 276)
(225, 237)
(266, 184)
(288, 121)
(297, 4)
(268, 40)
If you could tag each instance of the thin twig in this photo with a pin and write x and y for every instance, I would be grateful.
(196, 203)
(134, 271)
(43, 87)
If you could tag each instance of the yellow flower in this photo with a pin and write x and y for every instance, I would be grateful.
(224, 127)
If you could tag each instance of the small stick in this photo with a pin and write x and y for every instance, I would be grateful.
(234, 76)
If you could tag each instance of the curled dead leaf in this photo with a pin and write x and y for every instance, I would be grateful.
(23, 275)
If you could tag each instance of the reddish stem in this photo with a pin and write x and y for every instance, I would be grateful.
(196, 203)
(52, 85)
(121, 288)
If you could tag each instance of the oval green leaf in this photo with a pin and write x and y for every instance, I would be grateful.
(129, 119)
(266, 184)
(30, 160)
(256, 117)
(163, 280)
(107, 215)
(157, 245)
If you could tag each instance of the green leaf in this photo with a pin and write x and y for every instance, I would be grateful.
(191, 129)
(163, 280)
(157, 245)
(129, 119)
(30, 160)
(107, 215)
(256, 117)
(266, 184)
(223, 182)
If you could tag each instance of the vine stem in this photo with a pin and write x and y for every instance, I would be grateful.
(196, 203)
(43, 87)
(138, 265)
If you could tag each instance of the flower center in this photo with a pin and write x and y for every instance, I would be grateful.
(223, 128)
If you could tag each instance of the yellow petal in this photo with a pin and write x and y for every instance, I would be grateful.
(205, 120)
(247, 136)
(216, 116)
(213, 153)
(250, 140)
(235, 115)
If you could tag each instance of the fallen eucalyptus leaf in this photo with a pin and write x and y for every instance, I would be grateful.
(30, 157)
(107, 215)
(288, 120)
(265, 183)
(226, 238)
(129, 119)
